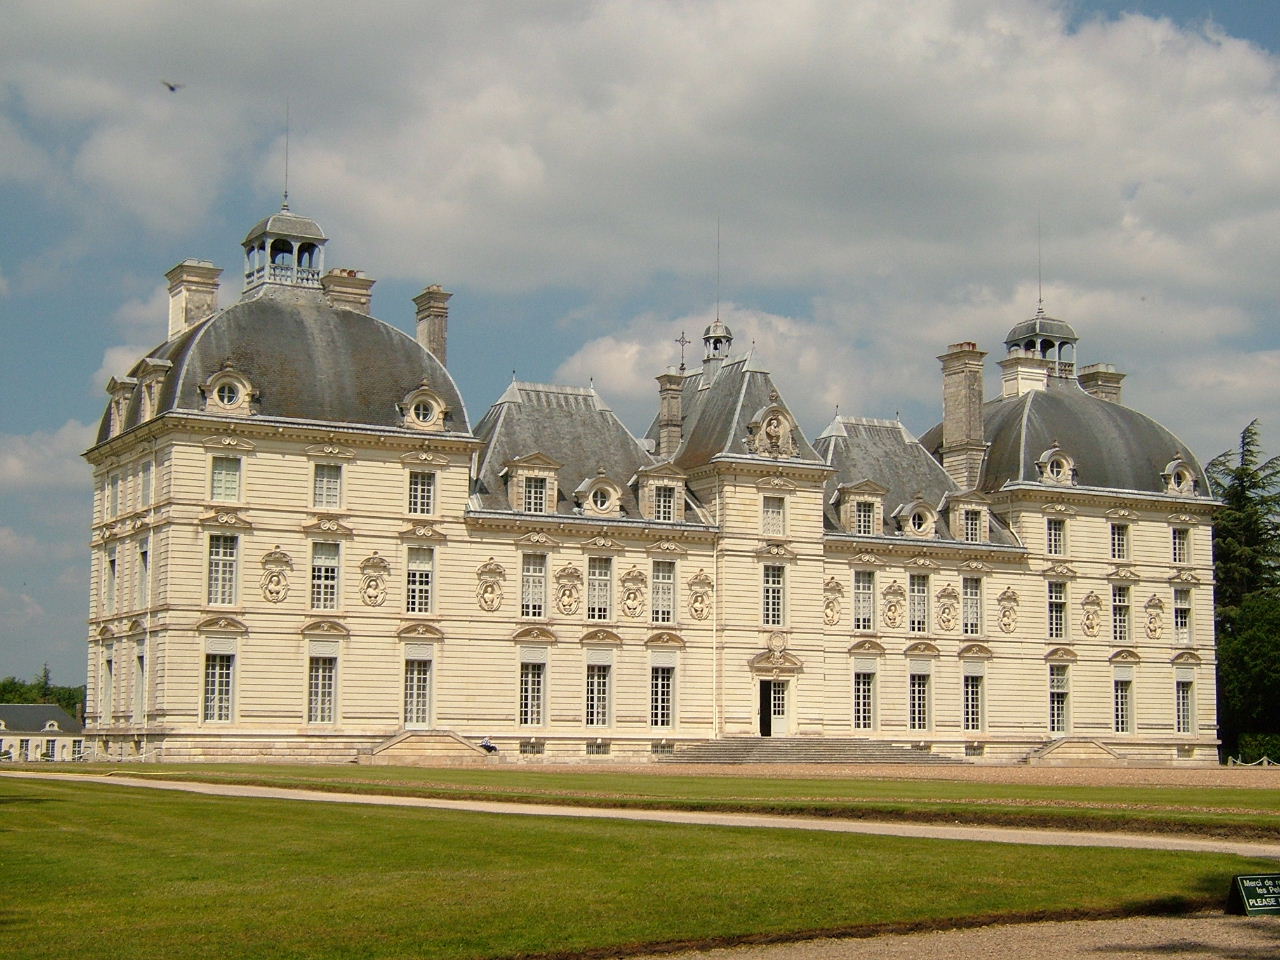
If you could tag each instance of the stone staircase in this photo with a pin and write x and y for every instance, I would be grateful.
(802, 750)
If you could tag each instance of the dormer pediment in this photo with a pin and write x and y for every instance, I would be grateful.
(535, 461)
(661, 471)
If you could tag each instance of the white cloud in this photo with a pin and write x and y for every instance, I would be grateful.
(43, 459)
(14, 545)
(19, 609)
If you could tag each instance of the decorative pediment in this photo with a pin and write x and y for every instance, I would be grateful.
(776, 485)
(328, 526)
(537, 539)
(221, 625)
(922, 648)
(1059, 509)
(867, 488)
(1183, 519)
(1186, 658)
(602, 542)
(666, 548)
(1061, 655)
(537, 461)
(662, 471)
(424, 456)
(134, 626)
(331, 628)
(1124, 656)
(922, 563)
(665, 639)
(775, 660)
(868, 648)
(1122, 513)
(976, 651)
(1184, 576)
(421, 531)
(104, 633)
(416, 630)
(602, 635)
(974, 566)
(225, 518)
(538, 634)
(1123, 573)
(329, 450)
(1059, 571)
(866, 560)
(775, 550)
(228, 441)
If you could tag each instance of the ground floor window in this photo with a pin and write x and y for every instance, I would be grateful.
(1184, 706)
(1058, 698)
(918, 702)
(322, 675)
(1123, 705)
(417, 692)
(864, 691)
(597, 694)
(77, 749)
(532, 676)
(661, 685)
(973, 702)
(218, 669)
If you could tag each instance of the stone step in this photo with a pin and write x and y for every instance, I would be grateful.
(802, 750)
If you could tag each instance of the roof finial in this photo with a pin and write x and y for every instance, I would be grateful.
(1039, 270)
(684, 342)
(284, 203)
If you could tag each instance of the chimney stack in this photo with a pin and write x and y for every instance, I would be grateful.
(433, 319)
(193, 294)
(670, 415)
(347, 289)
(1102, 381)
(964, 444)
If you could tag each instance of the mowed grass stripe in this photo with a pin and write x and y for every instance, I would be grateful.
(107, 871)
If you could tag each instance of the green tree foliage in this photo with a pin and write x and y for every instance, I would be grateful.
(1246, 558)
(42, 689)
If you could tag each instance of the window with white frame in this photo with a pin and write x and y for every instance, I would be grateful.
(218, 672)
(664, 502)
(77, 749)
(1057, 609)
(110, 580)
(864, 697)
(322, 675)
(113, 503)
(864, 516)
(1123, 696)
(598, 677)
(1120, 614)
(771, 607)
(535, 494)
(918, 698)
(326, 489)
(139, 688)
(1059, 690)
(864, 600)
(533, 585)
(973, 526)
(1119, 541)
(417, 588)
(324, 576)
(661, 688)
(532, 693)
(1184, 706)
(148, 485)
(417, 692)
(1055, 535)
(971, 606)
(773, 516)
(599, 588)
(142, 574)
(422, 493)
(224, 478)
(662, 596)
(223, 549)
(918, 603)
(973, 705)
(1182, 616)
(1181, 545)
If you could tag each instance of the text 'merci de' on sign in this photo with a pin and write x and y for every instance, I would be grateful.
(1253, 894)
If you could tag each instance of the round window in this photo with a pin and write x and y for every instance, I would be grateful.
(919, 521)
(228, 394)
(1179, 479)
(1057, 468)
(600, 499)
(423, 411)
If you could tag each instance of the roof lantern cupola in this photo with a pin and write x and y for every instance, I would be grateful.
(1045, 338)
(718, 339)
(285, 249)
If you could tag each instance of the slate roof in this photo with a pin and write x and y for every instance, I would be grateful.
(306, 359)
(32, 717)
(571, 425)
(1041, 326)
(287, 223)
(1113, 446)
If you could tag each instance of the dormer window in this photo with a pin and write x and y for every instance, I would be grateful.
(535, 495)
(1179, 478)
(423, 410)
(532, 485)
(228, 392)
(1056, 467)
(861, 508)
(918, 519)
(599, 497)
(660, 493)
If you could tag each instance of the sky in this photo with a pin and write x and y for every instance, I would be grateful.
(852, 186)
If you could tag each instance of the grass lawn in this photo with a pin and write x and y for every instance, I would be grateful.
(1220, 811)
(99, 871)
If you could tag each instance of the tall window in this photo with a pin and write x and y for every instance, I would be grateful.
(664, 503)
(864, 690)
(597, 694)
(113, 505)
(324, 576)
(217, 686)
(1057, 610)
(417, 593)
(1184, 706)
(1119, 541)
(973, 526)
(1120, 614)
(1055, 535)
(222, 569)
(326, 490)
(535, 494)
(1123, 705)
(973, 702)
(417, 692)
(599, 588)
(661, 683)
(108, 689)
(422, 493)
(971, 606)
(224, 478)
(533, 585)
(918, 702)
(771, 605)
(1182, 616)
(864, 600)
(1181, 545)
(918, 603)
(864, 515)
(531, 693)
(773, 515)
(1058, 692)
(142, 575)
(148, 485)
(663, 594)
(322, 673)
(109, 584)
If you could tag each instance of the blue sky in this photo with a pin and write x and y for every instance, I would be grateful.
(877, 170)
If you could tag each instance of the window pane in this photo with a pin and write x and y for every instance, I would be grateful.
(663, 595)
(661, 680)
(217, 686)
(417, 692)
(533, 585)
(771, 612)
(422, 493)
(222, 569)
(863, 700)
(531, 677)
(417, 595)
(864, 583)
(918, 603)
(320, 689)
(664, 503)
(324, 576)
(225, 479)
(327, 490)
(599, 588)
(597, 695)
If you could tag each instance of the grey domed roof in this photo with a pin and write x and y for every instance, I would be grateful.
(1041, 326)
(717, 328)
(288, 224)
(306, 359)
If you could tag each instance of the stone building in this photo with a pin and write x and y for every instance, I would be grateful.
(304, 548)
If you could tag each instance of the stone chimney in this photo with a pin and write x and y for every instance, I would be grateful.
(1102, 381)
(433, 319)
(193, 294)
(670, 416)
(347, 289)
(964, 444)
(1019, 375)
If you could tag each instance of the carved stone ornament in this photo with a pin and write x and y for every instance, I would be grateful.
(1184, 576)
(539, 539)
(923, 563)
(666, 546)
(1155, 617)
(975, 566)
(489, 590)
(1123, 573)
(227, 440)
(832, 591)
(771, 436)
(895, 604)
(776, 551)
(1059, 571)
(373, 580)
(215, 518)
(423, 530)
(867, 560)
(948, 608)
(1091, 619)
(275, 575)
(701, 587)
(665, 639)
(1008, 601)
(568, 590)
(633, 587)
(424, 455)
(602, 543)
(1058, 508)
(329, 525)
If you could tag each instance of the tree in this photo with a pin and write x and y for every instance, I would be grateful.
(1246, 563)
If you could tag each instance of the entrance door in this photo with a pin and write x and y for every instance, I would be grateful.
(773, 708)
